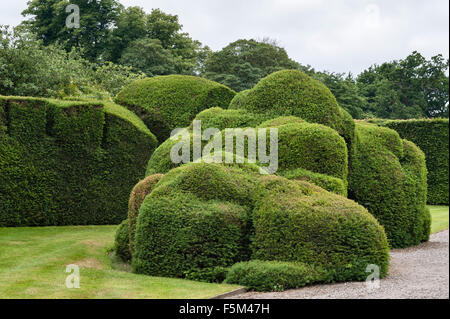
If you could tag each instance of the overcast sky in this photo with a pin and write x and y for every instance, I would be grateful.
(334, 35)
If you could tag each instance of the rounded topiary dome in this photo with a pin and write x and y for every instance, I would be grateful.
(292, 92)
(168, 102)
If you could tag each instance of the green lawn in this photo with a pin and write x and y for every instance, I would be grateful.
(439, 218)
(33, 263)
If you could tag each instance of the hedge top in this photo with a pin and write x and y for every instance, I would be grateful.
(169, 102)
(292, 92)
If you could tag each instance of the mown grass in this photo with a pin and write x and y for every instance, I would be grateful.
(439, 218)
(33, 263)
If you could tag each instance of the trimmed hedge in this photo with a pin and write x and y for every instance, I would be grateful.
(194, 221)
(202, 218)
(432, 138)
(272, 275)
(389, 177)
(168, 102)
(221, 119)
(137, 196)
(68, 163)
(294, 93)
(300, 222)
(121, 242)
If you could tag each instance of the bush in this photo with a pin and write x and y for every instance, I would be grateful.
(388, 176)
(121, 247)
(68, 163)
(300, 222)
(168, 102)
(194, 221)
(305, 151)
(137, 196)
(221, 119)
(272, 275)
(202, 218)
(292, 92)
(432, 138)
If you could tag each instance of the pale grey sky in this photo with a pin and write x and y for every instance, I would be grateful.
(335, 35)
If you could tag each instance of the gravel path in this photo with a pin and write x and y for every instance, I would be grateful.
(420, 272)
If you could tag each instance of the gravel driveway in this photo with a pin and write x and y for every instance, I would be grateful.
(420, 272)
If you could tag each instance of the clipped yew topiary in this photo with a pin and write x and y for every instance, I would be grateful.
(194, 221)
(68, 163)
(389, 177)
(431, 135)
(300, 222)
(168, 102)
(121, 241)
(202, 218)
(306, 151)
(294, 93)
(137, 196)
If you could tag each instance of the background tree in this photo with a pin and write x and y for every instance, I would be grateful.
(409, 88)
(243, 63)
(48, 21)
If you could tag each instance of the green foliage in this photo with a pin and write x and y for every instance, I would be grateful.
(168, 102)
(241, 64)
(272, 275)
(299, 222)
(68, 163)
(30, 69)
(121, 243)
(137, 196)
(198, 221)
(410, 88)
(202, 218)
(389, 177)
(154, 44)
(48, 22)
(293, 93)
(432, 138)
(221, 119)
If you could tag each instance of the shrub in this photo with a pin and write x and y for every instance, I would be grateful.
(388, 176)
(68, 163)
(300, 222)
(194, 221)
(121, 247)
(137, 196)
(202, 218)
(272, 275)
(432, 138)
(168, 102)
(305, 150)
(221, 119)
(292, 92)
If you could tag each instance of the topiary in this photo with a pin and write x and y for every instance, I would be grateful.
(68, 162)
(202, 218)
(293, 93)
(306, 151)
(194, 221)
(300, 222)
(272, 275)
(137, 196)
(388, 176)
(221, 119)
(431, 135)
(121, 242)
(168, 102)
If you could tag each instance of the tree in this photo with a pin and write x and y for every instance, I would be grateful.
(48, 22)
(409, 88)
(243, 63)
